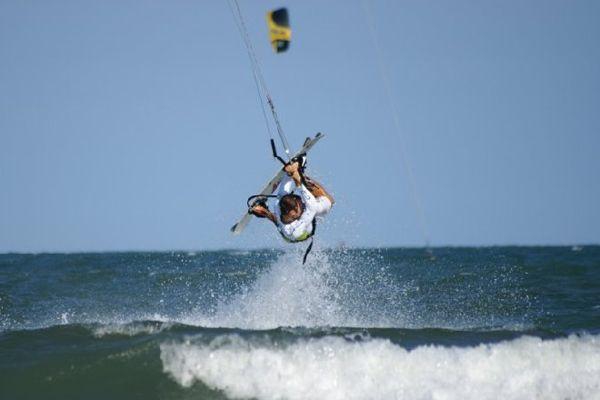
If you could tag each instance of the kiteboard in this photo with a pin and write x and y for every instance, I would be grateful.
(270, 187)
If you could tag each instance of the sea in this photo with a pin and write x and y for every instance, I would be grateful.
(388, 323)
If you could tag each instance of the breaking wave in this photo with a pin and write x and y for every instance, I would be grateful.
(338, 368)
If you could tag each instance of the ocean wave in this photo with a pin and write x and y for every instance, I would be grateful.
(266, 290)
(338, 368)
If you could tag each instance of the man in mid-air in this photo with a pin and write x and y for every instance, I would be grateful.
(300, 200)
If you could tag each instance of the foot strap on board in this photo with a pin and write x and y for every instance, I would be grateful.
(258, 199)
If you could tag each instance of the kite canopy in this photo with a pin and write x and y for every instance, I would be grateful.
(280, 32)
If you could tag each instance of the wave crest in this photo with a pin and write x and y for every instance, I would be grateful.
(336, 368)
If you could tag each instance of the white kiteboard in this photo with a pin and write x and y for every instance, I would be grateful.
(270, 187)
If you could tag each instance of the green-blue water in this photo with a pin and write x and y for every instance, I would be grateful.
(485, 323)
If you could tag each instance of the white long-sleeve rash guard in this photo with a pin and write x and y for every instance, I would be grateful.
(302, 228)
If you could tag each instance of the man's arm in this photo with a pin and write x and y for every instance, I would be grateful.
(316, 189)
(313, 186)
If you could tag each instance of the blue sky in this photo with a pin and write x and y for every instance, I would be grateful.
(129, 125)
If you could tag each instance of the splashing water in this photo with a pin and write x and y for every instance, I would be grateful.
(321, 293)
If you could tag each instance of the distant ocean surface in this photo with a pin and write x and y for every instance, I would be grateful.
(460, 323)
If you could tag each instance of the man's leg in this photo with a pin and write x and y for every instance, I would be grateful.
(260, 210)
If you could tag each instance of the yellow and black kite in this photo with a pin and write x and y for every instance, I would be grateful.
(279, 29)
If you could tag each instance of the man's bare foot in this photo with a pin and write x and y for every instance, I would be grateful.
(258, 210)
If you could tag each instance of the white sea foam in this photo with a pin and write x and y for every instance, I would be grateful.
(335, 368)
(130, 329)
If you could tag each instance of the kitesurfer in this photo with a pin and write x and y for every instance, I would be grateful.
(300, 200)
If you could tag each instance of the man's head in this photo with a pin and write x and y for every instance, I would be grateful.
(291, 208)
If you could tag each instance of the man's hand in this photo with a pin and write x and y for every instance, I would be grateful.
(293, 170)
